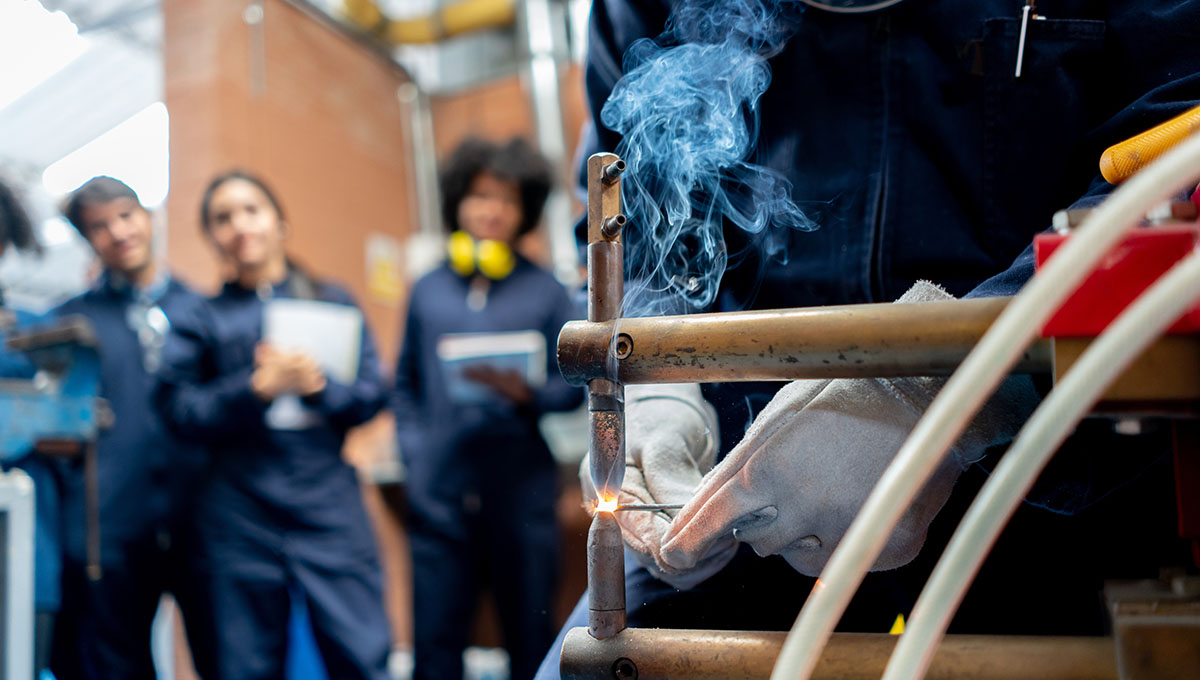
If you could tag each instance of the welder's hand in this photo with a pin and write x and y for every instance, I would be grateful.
(807, 464)
(671, 441)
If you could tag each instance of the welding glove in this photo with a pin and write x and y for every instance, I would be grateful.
(671, 441)
(810, 459)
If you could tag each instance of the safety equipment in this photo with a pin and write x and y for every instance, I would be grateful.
(671, 441)
(494, 259)
(799, 476)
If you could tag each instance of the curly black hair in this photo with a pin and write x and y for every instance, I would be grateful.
(515, 160)
(15, 227)
(98, 190)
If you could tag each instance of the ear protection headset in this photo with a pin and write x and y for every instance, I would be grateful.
(493, 259)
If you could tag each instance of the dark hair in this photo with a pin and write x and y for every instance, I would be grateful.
(15, 227)
(96, 191)
(229, 176)
(514, 161)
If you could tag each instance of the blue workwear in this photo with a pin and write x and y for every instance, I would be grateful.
(918, 155)
(481, 480)
(146, 481)
(279, 509)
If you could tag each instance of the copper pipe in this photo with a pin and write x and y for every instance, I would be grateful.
(653, 654)
(606, 577)
(851, 341)
(606, 400)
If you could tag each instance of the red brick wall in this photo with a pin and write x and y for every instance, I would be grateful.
(326, 132)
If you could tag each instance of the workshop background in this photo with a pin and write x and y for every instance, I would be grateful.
(346, 107)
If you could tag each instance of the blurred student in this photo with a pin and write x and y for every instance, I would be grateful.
(16, 230)
(281, 514)
(147, 476)
(481, 480)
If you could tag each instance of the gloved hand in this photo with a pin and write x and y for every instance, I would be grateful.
(670, 441)
(807, 464)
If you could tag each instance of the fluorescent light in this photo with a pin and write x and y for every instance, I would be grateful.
(135, 152)
(34, 45)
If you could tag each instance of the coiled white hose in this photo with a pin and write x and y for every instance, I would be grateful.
(1084, 384)
(965, 393)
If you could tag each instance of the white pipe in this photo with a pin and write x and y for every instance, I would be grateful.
(1041, 436)
(964, 394)
(17, 510)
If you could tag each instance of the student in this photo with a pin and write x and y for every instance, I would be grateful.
(281, 514)
(481, 480)
(147, 476)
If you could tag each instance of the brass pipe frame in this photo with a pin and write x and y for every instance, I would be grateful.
(848, 341)
(658, 654)
(606, 577)
(606, 400)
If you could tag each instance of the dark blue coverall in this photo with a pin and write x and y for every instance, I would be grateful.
(910, 143)
(147, 479)
(279, 510)
(481, 481)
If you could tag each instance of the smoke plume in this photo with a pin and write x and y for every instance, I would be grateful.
(687, 108)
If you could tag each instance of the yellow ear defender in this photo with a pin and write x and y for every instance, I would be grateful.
(493, 259)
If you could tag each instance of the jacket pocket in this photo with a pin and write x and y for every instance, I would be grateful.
(1034, 125)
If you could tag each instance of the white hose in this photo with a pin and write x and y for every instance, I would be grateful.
(964, 394)
(1084, 384)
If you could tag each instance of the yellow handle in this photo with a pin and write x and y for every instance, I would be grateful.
(1120, 161)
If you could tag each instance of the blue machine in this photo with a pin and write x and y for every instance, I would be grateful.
(60, 405)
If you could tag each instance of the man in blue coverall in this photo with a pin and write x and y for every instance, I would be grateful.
(906, 138)
(147, 476)
(481, 481)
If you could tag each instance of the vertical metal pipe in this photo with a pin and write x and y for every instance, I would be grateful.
(91, 472)
(606, 407)
(606, 577)
(16, 574)
(544, 40)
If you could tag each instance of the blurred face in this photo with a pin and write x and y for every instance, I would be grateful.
(121, 233)
(491, 209)
(245, 226)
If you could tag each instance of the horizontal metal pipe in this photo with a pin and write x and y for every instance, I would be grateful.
(850, 341)
(744, 655)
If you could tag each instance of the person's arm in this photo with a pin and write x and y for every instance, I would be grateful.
(408, 390)
(346, 405)
(197, 401)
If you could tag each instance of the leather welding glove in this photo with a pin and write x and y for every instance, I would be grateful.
(671, 441)
(808, 462)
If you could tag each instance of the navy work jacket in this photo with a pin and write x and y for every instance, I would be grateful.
(147, 475)
(915, 150)
(264, 479)
(449, 448)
